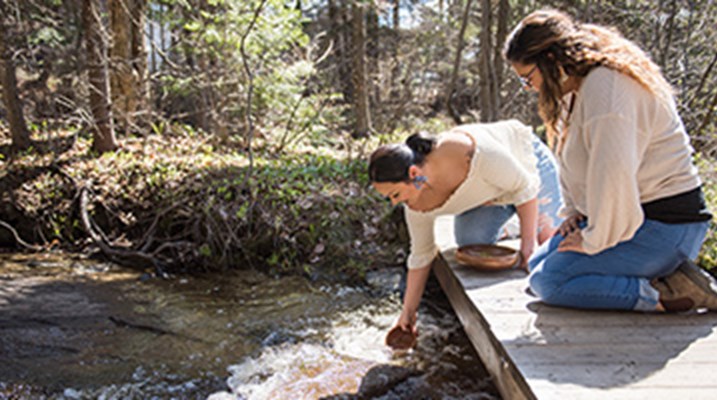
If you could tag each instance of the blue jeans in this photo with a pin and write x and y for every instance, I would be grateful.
(617, 278)
(484, 224)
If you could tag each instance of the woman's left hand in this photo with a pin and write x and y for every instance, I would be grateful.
(572, 242)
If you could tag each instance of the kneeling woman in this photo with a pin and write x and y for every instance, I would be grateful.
(482, 174)
(635, 212)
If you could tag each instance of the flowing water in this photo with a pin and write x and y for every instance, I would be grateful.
(72, 328)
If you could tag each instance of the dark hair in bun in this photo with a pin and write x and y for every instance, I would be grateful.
(390, 162)
(421, 144)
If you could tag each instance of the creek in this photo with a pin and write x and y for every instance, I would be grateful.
(74, 328)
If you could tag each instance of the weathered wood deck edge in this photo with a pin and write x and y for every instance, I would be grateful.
(509, 381)
(533, 350)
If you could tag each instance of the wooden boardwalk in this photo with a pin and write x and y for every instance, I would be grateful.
(537, 351)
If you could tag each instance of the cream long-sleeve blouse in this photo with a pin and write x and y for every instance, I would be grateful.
(502, 171)
(624, 147)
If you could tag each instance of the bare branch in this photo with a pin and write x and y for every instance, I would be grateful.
(250, 93)
(18, 239)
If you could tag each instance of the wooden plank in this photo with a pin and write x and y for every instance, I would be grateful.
(509, 381)
(573, 393)
(598, 353)
(552, 316)
(607, 376)
(523, 333)
(556, 353)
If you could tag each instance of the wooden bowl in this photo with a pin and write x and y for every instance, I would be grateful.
(398, 339)
(488, 257)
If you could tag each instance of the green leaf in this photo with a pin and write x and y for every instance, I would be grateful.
(205, 251)
(193, 26)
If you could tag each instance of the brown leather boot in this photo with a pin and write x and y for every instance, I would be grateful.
(688, 288)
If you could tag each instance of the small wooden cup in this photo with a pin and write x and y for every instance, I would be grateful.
(398, 339)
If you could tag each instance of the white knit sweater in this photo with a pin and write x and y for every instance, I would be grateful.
(624, 147)
(502, 171)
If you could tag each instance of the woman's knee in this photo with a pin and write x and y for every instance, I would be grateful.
(548, 288)
(481, 225)
(542, 283)
(472, 236)
(550, 274)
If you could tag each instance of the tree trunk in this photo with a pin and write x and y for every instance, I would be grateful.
(486, 73)
(708, 116)
(96, 50)
(360, 84)
(703, 80)
(587, 14)
(340, 57)
(139, 65)
(18, 129)
(655, 45)
(152, 43)
(122, 81)
(685, 56)
(498, 61)
(346, 64)
(396, 16)
(395, 69)
(372, 51)
(670, 30)
(457, 64)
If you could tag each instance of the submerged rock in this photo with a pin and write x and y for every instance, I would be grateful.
(383, 378)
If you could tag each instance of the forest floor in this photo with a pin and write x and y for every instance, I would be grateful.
(186, 202)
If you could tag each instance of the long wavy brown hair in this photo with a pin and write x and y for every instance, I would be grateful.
(552, 40)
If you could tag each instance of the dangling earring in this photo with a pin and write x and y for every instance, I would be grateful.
(419, 181)
(563, 76)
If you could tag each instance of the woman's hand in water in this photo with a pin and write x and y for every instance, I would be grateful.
(407, 321)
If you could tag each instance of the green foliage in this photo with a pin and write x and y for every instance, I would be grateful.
(306, 210)
(46, 35)
(319, 206)
(708, 168)
(223, 38)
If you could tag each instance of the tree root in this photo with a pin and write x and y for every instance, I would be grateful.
(130, 258)
(18, 239)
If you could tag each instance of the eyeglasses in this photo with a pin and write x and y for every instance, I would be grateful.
(525, 79)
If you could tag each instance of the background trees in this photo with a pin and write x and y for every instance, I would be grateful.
(321, 67)
(19, 134)
(270, 79)
(103, 130)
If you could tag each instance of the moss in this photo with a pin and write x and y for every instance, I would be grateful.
(708, 172)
